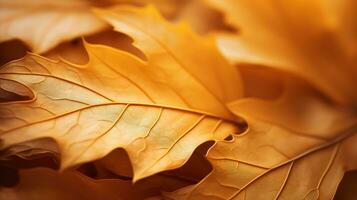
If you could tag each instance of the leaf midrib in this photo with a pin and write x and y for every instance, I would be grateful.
(198, 112)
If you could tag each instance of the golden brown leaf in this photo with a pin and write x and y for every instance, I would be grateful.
(154, 110)
(315, 40)
(142, 108)
(44, 24)
(296, 147)
(163, 44)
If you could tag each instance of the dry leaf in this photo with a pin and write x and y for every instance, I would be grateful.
(296, 147)
(117, 100)
(44, 24)
(159, 92)
(163, 42)
(99, 107)
(315, 40)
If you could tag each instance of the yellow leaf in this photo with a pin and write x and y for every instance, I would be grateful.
(296, 147)
(44, 24)
(159, 112)
(177, 47)
(315, 40)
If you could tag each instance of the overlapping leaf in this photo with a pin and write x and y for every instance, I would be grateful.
(315, 40)
(153, 110)
(166, 96)
(73, 185)
(297, 147)
(44, 24)
(153, 35)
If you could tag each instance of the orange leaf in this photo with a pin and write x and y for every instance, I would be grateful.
(154, 110)
(314, 40)
(44, 24)
(296, 147)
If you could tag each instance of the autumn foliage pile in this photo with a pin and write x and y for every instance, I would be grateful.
(177, 99)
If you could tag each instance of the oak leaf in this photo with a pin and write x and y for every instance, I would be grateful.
(296, 147)
(315, 40)
(163, 44)
(43, 24)
(154, 110)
